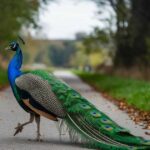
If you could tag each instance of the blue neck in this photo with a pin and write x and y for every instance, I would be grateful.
(14, 66)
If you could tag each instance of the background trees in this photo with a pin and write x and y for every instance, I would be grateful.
(14, 14)
(125, 37)
(60, 55)
(132, 30)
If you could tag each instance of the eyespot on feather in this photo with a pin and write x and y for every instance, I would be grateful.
(108, 127)
(106, 121)
(95, 114)
(74, 93)
(85, 106)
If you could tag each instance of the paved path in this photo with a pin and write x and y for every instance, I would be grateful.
(11, 114)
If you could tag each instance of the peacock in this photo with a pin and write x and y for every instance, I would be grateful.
(40, 93)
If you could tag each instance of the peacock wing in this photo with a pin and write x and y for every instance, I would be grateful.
(40, 92)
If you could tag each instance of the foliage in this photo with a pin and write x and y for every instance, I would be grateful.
(39, 57)
(93, 49)
(96, 40)
(3, 78)
(96, 58)
(134, 92)
(131, 52)
(80, 58)
(14, 14)
(132, 30)
(60, 55)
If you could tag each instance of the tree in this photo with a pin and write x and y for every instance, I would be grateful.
(60, 55)
(80, 36)
(135, 50)
(13, 15)
(96, 41)
(139, 30)
(132, 31)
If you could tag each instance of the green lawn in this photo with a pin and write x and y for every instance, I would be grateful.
(3, 78)
(134, 92)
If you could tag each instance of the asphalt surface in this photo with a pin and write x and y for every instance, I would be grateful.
(11, 113)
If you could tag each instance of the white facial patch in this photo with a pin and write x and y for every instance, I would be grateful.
(14, 46)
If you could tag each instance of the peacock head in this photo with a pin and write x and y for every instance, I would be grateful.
(13, 46)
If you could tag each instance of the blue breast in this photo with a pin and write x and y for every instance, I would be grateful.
(14, 68)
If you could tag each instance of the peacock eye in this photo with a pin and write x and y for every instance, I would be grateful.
(95, 114)
(105, 120)
(85, 106)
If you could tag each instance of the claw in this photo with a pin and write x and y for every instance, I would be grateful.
(19, 128)
(39, 138)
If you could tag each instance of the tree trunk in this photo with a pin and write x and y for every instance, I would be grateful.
(132, 45)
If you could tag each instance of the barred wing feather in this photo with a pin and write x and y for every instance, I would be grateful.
(40, 91)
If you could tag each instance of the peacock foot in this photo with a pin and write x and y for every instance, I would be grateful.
(19, 128)
(39, 138)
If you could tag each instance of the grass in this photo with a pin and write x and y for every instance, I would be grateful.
(3, 78)
(134, 92)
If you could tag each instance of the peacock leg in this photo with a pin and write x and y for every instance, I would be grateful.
(19, 128)
(37, 119)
